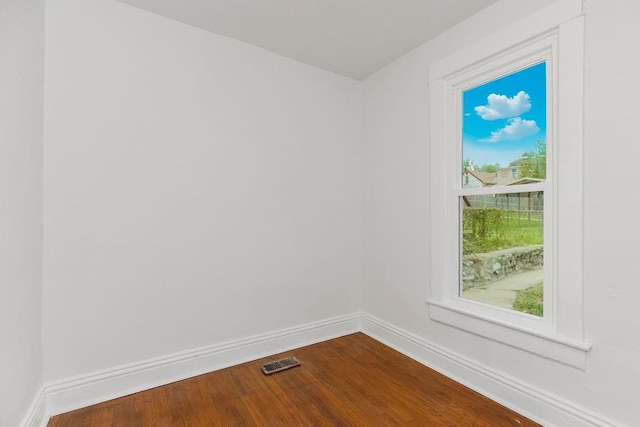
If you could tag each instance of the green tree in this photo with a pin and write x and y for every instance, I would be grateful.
(534, 164)
(490, 168)
(469, 165)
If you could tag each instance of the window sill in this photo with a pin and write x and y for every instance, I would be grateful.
(561, 349)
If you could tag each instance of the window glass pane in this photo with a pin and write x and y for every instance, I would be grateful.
(502, 250)
(504, 126)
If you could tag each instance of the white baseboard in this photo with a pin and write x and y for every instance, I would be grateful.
(77, 392)
(36, 415)
(536, 404)
(84, 390)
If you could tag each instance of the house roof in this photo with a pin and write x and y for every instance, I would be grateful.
(525, 180)
(487, 178)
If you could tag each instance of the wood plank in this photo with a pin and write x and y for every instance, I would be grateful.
(349, 381)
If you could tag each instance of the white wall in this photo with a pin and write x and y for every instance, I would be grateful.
(396, 205)
(21, 91)
(197, 189)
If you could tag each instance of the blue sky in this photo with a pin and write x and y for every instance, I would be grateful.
(504, 118)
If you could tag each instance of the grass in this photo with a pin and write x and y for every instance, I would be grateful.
(530, 300)
(513, 230)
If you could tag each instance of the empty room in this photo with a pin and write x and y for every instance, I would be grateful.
(412, 212)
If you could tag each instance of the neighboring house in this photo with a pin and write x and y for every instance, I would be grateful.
(513, 173)
(477, 179)
(505, 176)
(525, 181)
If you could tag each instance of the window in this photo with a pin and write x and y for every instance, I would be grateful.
(498, 106)
(504, 122)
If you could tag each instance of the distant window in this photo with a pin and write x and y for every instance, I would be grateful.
(514, 173)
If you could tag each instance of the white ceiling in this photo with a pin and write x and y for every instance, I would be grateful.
(354, 38)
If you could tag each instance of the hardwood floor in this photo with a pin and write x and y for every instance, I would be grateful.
(348, 381)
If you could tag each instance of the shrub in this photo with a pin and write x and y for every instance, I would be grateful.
(489, 229)
(483, 228)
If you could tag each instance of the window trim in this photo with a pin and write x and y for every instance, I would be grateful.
(558, 336)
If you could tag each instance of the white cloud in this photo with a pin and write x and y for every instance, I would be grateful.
(503, 107)
(516, 128)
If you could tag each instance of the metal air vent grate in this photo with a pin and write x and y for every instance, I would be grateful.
(279, 365)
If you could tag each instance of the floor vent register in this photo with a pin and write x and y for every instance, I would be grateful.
(279, 365)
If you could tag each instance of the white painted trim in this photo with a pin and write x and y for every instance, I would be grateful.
(77, 392)
(537, 341)
(525, 29)
(36, 415)
(534, 403)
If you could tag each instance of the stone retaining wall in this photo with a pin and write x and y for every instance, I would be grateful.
(481, 269)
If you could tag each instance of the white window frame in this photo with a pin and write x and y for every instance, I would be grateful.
(554, 35)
